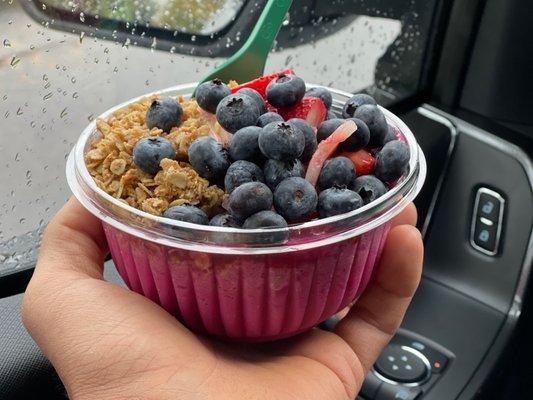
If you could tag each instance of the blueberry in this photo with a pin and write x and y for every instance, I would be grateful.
(187, 213)
(248, 199)
(277, 171)
(376, 122)
(369, 188)
(223, 220)
(265, 219)
(281, 141)
(309, 136)
(148, 153)
(326, 128)
(336, 201)
(359, 139)
(245, 144)
(237, 111)
(337, 172)
(257, 98)
(209, 158)
(164, 114)
(295, 199)
(285, 91)
(242, 172)
(331, 115)
(392, 161)
(355, 102)
(269, 117)
(209, 94)
(321, 93)
(391, 135)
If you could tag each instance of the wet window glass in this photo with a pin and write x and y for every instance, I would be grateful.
(202, 17)
(63, 62)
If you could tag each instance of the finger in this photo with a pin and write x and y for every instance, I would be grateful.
(74, 241)
(408, 216)
(377, 315)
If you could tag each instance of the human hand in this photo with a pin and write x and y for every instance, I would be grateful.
(107, 342)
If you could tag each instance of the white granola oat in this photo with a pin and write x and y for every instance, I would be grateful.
(110, 161)
(118, 166)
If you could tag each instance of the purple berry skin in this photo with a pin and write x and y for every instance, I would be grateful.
(248, 199)
(392, 161)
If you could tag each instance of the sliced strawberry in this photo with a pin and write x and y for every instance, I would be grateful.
(362, 160)
(326, 148)
(311, 109)
(260, 84)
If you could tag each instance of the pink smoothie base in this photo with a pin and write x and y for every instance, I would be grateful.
(260, 297)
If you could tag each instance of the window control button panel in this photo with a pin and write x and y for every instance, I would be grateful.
(487, 221)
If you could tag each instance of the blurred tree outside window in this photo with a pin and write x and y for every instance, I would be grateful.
(189, 16)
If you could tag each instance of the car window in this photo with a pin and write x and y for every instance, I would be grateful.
(203, 17)
(63, 62)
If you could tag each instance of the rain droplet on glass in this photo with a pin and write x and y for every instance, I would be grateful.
(64, 113)
(15, 61)
(82, 17)
(7, 43)
(75, 95)
(47, 96)
(19, 111)
(73, 79)
(82, 35)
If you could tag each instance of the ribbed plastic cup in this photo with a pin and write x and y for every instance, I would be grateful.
(249, 285)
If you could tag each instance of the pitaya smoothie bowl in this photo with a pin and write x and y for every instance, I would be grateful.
(246, 284)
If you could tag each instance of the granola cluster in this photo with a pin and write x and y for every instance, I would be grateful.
(110, 161)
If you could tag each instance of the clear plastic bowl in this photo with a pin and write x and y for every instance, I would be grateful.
(251, 285)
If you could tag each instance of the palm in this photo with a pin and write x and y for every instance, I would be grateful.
(109, 342)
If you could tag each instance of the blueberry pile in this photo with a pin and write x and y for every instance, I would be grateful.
(280, 132)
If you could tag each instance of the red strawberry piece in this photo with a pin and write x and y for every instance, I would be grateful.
(311, 109)
(362, 160)
(260, 84)
(326, 148)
